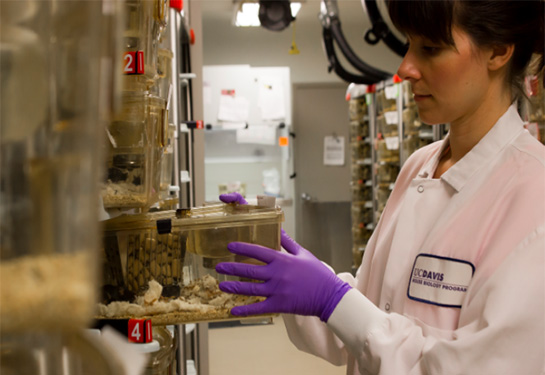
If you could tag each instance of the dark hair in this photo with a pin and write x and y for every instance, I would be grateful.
(487, 22)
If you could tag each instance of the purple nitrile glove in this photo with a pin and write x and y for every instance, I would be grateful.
(233, 197)
(294, 283)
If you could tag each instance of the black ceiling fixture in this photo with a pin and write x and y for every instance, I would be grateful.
(275, 15)
(332, 33)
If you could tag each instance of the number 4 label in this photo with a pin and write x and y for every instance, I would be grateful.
(133, 62)
(140, 330)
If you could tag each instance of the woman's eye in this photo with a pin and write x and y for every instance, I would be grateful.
(431, 49)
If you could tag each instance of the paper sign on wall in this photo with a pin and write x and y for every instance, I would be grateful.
(333, 150)
(233, 108)
(271, 98)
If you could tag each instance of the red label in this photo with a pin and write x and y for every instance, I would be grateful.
(140, 330)
(133, 62)
(140, 62)
(149, 334)
(228, 92)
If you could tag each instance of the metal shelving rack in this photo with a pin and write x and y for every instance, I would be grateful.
(361, 113)
(532, 108)
(394, 132)
(192, 339)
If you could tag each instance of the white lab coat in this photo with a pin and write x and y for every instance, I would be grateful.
(453, 278)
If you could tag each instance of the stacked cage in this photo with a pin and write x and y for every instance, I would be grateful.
(416, 134)
(535, 106)
(139, 134)
(161, 264)
(387, 165)
(361, 180)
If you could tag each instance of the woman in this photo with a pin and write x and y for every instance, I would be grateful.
(452, 280)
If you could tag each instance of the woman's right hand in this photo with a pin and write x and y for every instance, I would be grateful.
(233, 197)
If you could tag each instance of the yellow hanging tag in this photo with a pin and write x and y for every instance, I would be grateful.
(293, 49)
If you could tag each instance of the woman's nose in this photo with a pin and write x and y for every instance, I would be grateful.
(408, 69)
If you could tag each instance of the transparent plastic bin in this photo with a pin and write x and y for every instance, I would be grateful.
(411, 121)
(385, 125)
(384, 104)
(385, 154)
(67, 353)
(361, 192)
(162, 85)
(179, 250)
(387, 172)
(408, 97)
(162, 360)
(52, 115)
(167, 164)
(360, 150)
(358, 130)
(357, 108)
(136, 140)
(146, 20)
(361, 234)
(135, 83)
(360, 171)
(410, 144)
(361, 213)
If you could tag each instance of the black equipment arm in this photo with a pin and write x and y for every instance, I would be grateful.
(332, 31)
(380, 30)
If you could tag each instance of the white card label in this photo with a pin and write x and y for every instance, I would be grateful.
(392, 143)
(391, 92)
(392, 118)
(440, 281)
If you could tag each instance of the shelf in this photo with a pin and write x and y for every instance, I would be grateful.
(425, 135)
(242, 160)
(366, 161)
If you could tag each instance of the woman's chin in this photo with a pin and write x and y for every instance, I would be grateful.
(429, 117)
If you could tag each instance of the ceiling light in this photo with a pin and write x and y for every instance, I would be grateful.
(248, 13)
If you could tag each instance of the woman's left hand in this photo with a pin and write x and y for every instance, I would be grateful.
(295, 282)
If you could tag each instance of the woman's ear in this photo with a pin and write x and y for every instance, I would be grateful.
(500, 56)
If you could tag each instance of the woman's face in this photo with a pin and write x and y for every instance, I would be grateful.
(448, 82)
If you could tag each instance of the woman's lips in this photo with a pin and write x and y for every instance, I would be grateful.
(418, 98)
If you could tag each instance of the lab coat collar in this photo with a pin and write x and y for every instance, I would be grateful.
(506, 128)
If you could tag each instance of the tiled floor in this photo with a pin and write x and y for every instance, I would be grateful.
(262, 350)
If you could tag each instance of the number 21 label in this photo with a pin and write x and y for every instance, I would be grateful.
(133, 62)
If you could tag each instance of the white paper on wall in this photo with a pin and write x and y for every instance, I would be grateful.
(271, 101)
(233, 108)
(264, 135)
(333, 150)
